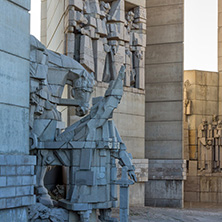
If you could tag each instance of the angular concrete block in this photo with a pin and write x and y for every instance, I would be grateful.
(192, 168)
(7, 192)
(164, 131)
(161, 190)
(138, 2)
(152, 3)
(26, 4)
(164, 111)
(192, 184)
(16, 214)
(2, 181)
(14, 81)
(165, 34)
(163, 149)
(164, 15)
(15, 33)
(172, 72)
(191, 196)
(165, 53)
(167, 169)
(14, 127)
(164, 92)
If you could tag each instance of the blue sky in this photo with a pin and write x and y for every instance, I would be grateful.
(200, 33)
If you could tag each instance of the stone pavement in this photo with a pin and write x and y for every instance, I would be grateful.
(200, 214)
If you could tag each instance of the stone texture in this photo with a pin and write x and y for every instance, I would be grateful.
(164, 96)
(167, 170)
(163, 149)
(167, 111)
(163, 92)
(166, 131)
(164, 34)
(16, 214)
(165, 53)
(164, 73)
(164, 193)
(14, 36)
(12, 77)
(164, 15)
(14, 128)
(23, 3)
(152, 3)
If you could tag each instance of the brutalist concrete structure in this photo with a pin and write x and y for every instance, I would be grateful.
(158, 26)
(17, 177)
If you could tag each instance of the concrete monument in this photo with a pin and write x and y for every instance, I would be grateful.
(88, 148)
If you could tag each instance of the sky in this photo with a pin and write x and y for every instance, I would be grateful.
(200, 33)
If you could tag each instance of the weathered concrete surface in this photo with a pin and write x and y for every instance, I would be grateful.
(164, 97)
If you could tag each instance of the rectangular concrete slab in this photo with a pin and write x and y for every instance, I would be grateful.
(164, 92)
(164, 72)
(165, 190)
(152, 3)
(165, 15)
(14, 30)
(26, 4)
(14, 127)
(165, 53)
(163, 149)
(164, 111)
(14, 80)
(165, 34)
(164, 131)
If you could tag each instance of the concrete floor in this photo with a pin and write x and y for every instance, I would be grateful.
(198, 213)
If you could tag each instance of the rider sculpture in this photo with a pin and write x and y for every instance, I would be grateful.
(89, 147)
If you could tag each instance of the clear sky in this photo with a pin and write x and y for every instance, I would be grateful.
(200, 33)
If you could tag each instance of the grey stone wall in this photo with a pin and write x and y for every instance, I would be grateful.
(164, 100)
(14, 72)
(16, 166)
(17, 181)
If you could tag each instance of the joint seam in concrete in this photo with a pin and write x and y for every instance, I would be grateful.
(14, 55)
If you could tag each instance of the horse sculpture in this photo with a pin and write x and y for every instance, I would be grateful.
(49, 73)
(89, 147)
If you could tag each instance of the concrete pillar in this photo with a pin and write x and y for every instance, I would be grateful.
(164, 103)
(16, 190)
(220, 56)
(44, 22)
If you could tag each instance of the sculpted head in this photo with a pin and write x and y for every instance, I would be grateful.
(81, 91)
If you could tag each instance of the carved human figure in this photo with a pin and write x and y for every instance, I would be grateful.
(218, 146)
(49, 73)
(202, 143)
(187, 101)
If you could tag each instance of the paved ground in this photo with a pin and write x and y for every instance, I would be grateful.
(200, 214)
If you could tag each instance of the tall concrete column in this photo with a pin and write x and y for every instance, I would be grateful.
(164, 103)
(16, 166)
(220, 56)
(44, 22)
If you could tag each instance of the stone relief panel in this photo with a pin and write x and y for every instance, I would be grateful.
(103, 35)
(209, 140)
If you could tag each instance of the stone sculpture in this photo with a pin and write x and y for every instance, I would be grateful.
(39, 213)
(89, 147)
(209, 145)
(102, 36)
